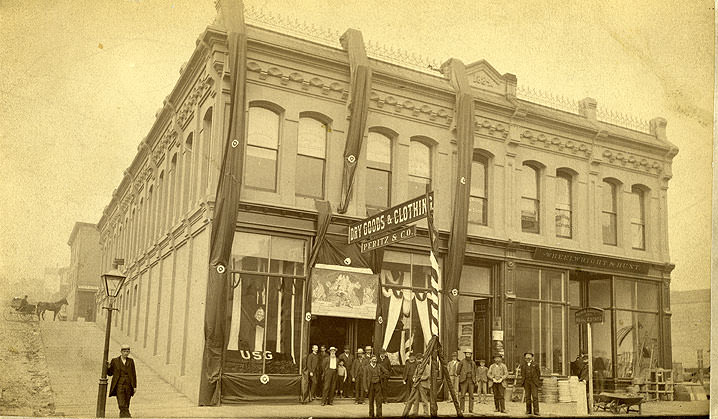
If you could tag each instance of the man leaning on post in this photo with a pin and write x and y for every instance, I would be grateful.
(124, 380)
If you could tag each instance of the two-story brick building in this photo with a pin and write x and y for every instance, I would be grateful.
(83, 274)
(566, 211)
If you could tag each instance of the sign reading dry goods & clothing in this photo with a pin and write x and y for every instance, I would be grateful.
(589, 315)
(403, 233)
(342, 291)
(387, 220)
(590, 261)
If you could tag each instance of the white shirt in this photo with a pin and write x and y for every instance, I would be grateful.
(332, 362)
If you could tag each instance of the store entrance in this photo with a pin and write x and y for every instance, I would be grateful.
(340, 331)
(482, 330)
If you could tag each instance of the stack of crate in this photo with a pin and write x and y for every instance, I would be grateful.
(659, 385)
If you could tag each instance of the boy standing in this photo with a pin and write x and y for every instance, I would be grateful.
(483, 379)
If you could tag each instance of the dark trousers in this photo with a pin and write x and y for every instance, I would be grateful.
(499, 400)
(358, 391)
(466, 387)
(531, 394)
(330, 382)
(313, 386)
(409, 384)
(124, 394)
(375, 397)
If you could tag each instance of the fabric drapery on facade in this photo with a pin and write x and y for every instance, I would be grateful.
(226, 207)
(359, 91)
(464, 121)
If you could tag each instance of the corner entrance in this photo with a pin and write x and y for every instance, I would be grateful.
(340, 331)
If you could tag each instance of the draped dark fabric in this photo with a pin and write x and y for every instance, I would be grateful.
(225, 212)
(464, 120)
(243, 388)
(359, 91)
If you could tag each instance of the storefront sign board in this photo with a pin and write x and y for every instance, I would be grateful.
(344, 292)
(387, 220)
(387, 239)
(589, 315)
(590, 261)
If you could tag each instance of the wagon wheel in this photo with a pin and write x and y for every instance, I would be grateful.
(26, 317)
(614, 407)
(9, 315)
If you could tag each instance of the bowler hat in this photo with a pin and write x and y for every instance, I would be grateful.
(528, 353)
(332, 349)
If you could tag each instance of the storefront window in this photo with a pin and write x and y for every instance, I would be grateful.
(539, 324)
(601, 339)
(599, 293)
(648, 292)
(265, 328)
(625, 293)
(636, 342)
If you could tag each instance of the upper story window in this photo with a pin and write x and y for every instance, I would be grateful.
(419, 168)
(311, 158)
(609, 212)
(378, 172)
(564, 214)
(478, 197)
(260, 167)
(636, 209)
(530, 200)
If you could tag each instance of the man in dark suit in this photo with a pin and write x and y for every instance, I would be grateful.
(530, 380)
(409, 371)
(312, 366)
(384, 361)
(348, 359)
(373, 375)
(358, 367)
(466, 371)
(124, 380)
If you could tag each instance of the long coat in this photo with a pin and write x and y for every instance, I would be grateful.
(114, 370)
(530, 374)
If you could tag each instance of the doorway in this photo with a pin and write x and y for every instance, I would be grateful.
(340, 331)
(482, 330)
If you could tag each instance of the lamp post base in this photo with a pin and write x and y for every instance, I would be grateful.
(101, 398)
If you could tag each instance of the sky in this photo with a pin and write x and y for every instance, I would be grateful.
(80, 82)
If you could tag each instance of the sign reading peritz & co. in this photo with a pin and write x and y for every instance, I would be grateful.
(388, 220)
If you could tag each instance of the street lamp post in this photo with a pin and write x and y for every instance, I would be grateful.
(113, 281)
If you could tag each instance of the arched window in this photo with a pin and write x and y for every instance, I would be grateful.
(478, 198)
(159, 205)
(609, 212)
(530, 200)
(419, 168)
(378, 172)
(636, 207)
(172, 209)
(187, 175)
(311, 158)
(205, 138)
(260, 168)
(149, 216)
(564, 214)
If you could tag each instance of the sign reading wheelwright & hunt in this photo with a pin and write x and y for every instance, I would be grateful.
(387, 220)
(591, 261)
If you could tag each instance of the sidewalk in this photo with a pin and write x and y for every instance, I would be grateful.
(73, 353)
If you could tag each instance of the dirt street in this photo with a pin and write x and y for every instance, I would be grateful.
(24, 384)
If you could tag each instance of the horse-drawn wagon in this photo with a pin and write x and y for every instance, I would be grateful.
(20, 310)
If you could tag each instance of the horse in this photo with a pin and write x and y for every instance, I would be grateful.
(54, 307)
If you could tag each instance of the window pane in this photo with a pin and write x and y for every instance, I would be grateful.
(529, 182)
(282, 303)
(625, 293)
(263, 128)
(378, 151)
(417, 186)
(608, 197)
(563, 223)
(527, 283)
(377, 188)
(563, 206)
(420, 270)
(638, 236)
(260, 170)
(477, 211)
(527, 330)
(599, 293)
(636, 342)
(551, 354)
(252, 322)
(574, 293)
(648, 293)
(529, 215)
(250, 252)
(551, 285)
(309, 180)
(635, 206)
(602, 353)
(609, 228)
(312, 138)
(419, 159)
(478, 178)
(475, 279)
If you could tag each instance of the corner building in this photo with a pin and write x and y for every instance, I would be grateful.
(566, 211)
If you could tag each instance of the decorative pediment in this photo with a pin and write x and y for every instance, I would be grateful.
(483, 75)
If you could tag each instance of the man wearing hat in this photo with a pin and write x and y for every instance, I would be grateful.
(312, 366)
(348, 359)
(497, 374)
(373, 375)
(329, 369)
(466, 371)
(357, 372)
(530, 380)
(409, 371)
(386, 363)
(124, 380)
(453, 378)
